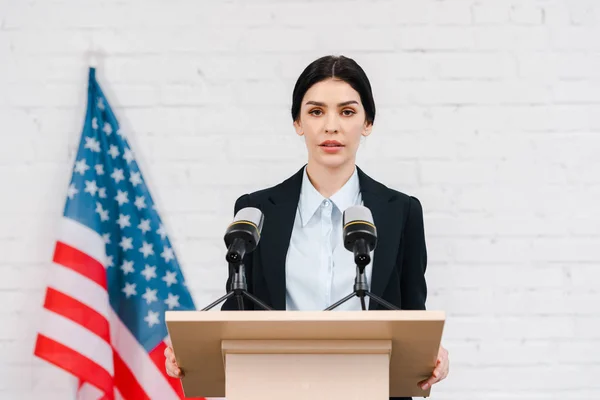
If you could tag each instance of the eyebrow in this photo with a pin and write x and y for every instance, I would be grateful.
(318, 103)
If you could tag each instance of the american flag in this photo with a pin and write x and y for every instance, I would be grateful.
(114, 272)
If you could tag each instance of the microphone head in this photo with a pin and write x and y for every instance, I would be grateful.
(359, 225)
(250, 215)
(246, 226)
(357, 213)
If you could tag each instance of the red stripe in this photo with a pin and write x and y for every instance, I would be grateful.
(80, 262)
(75, 363)
(125, 381)
(157, 355)
(78, 312)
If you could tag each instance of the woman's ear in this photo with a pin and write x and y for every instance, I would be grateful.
(298, 127)
(368, 128)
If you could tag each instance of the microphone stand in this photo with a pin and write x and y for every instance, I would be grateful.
(239, 289)
(361, 289)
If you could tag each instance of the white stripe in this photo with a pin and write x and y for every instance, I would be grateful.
(80, 288)
(78, 338)
(89, 392)
(83, 239)
(137, 359)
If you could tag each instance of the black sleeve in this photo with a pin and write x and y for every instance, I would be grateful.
(412, 280)
(231, 303)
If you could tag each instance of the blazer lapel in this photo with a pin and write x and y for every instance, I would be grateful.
(280, 212)
(378, 199)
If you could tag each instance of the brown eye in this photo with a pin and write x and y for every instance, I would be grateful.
(316, 110)
(350, 112)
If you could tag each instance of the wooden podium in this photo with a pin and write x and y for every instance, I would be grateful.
(293, 355)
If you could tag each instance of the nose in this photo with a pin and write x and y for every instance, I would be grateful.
(331, 125)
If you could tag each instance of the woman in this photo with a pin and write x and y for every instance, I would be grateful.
(306, 266)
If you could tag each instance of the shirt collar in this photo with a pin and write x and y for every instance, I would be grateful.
(311, 199)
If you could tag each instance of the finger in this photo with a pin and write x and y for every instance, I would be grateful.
(171, 356)
(427, 384)
(174, 371)
(168, 369)
(445, 371)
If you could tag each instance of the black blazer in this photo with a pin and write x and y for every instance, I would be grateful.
(400, 258)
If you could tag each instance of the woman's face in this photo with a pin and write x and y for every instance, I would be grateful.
(331, 110)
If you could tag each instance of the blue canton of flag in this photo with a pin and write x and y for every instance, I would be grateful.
(108, 194)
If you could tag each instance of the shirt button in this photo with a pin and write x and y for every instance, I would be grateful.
(326, 203)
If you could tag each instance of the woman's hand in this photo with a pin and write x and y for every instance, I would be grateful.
(440, 372)
(171, 366)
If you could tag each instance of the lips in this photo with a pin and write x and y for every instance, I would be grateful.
(331, 143)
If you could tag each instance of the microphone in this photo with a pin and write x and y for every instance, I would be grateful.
(243, 234)
(360, 234)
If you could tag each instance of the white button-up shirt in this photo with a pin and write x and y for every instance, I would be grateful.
(319, 271)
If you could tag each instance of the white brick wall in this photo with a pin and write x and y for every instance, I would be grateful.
(488, 112)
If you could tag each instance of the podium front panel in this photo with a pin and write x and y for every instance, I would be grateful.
(197, 341)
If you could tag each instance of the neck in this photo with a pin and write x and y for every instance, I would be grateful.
(328, 180)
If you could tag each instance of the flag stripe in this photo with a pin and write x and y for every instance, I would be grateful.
(80, 288)
(74, 362)
(63, 330)
(77, 312)
(82, 263)
(138, 361)
(157, 355)
(126, 382)
(82, 238)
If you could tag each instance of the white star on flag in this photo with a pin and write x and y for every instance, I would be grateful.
(146, 249)
(127, 267)
(140, 202)
(167, 254)
(144, 225)
(150, 295)
(121, 197)
(123, 221)
(151, 318)
(135, 179)
(91, 187)
(161, 231)
(126, 243)
(94, 123)
(172, 301)
(128, 156)
(100, 103)
(92, 144)
(129, 290)
(109, 262)
(106, 238)
(170, 278)
(103, 213)
(114, 151)
(102, 193)
(81, 167)
(149, 272)
(72, 191)
(117, 175)
(99, 169)
(107, 129)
